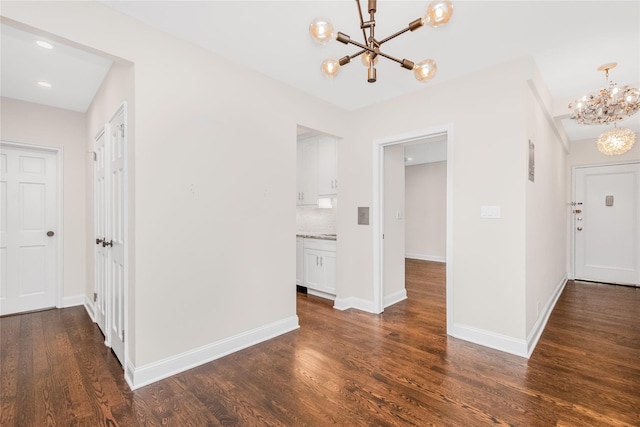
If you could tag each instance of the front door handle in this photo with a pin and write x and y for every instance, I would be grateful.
(98, 241)
(105, 243)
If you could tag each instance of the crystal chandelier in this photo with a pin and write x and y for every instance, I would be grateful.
(438, 13)
(616, 141)
(609, 105)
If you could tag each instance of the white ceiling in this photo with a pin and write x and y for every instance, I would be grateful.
(75, 75)
(568, 40)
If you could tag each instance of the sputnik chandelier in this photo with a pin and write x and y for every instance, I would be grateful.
(438, 13)
(609, 105)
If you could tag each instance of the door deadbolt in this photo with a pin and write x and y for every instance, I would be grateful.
(50, 233)
(579, 228)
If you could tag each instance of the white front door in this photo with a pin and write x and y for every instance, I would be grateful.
(116, 235)
(606, 223)
(28, 238)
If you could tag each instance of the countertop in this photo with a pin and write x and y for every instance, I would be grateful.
(323, 236)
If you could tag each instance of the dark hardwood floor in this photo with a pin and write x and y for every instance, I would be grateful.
(343, 368)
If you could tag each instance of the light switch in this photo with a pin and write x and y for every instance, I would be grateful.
(363, 215)
(489, 211)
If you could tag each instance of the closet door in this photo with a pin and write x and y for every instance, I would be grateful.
(111, 235)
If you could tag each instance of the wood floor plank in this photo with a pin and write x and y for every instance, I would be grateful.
(346, 368)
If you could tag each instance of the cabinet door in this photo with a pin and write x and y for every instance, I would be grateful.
(313, 273)
(328, 263)
(299, 261)
(327, 167)
(308, 171)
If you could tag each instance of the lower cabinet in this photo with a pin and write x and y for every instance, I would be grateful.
(320, 266)
(299, 261)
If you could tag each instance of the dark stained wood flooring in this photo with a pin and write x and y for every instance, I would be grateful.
(343, 368)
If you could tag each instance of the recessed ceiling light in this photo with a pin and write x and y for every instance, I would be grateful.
(44, 84)
(44, 44)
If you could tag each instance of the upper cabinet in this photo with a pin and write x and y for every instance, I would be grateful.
(327, 166)
(317, 169)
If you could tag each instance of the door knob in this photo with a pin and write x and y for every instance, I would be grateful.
(50, 233)
(579, 228)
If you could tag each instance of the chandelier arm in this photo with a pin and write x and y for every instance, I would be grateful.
(364, 33)
(414, 25)
(405, 63)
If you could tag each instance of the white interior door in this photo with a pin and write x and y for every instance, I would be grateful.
(116, 234)
(101, 253)
(29, 218)
(607, 223)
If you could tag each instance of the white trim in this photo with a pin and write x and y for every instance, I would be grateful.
(395, 297)
(541, 323)
(434, 258)
(144, 375)
(72, 301)
(489, 339)
(90, 307)
(378, 212)
(321, 294)
(357, 303)
(59, 153)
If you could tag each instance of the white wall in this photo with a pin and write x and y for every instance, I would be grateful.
(426, 211)
(36, 124)
(547, 212)
(394, 228)
(489, 168)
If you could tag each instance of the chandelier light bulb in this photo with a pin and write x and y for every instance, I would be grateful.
(330, 67)
(438, 13)
(321, 30)
(425, 70)
(366, 59)
(616, 141)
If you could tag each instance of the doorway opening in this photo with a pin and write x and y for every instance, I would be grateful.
(386, 217)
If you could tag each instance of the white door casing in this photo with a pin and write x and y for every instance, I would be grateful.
(116, 235)
(29, 192)
(606, 223)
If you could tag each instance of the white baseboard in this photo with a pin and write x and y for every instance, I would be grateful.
(353, 302)
(522, 348)
(395, 297)
(543, 318)
(321, 294)
(434, 258)
(72, 301)
(489, 339)
(90, 307)
(144, 375)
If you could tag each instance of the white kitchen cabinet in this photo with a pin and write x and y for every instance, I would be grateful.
(327, 166)
(299, 261)
(320, 267)
(307, 172)
(317, 169)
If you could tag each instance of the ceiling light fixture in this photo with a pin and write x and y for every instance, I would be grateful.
(438, 13)
(44, 44)
(44, 84)
(609, 105)
(616, 141)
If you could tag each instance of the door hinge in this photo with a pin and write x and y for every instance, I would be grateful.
(95, 156)
(121, 130)
(95, 296)
(123, 335)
